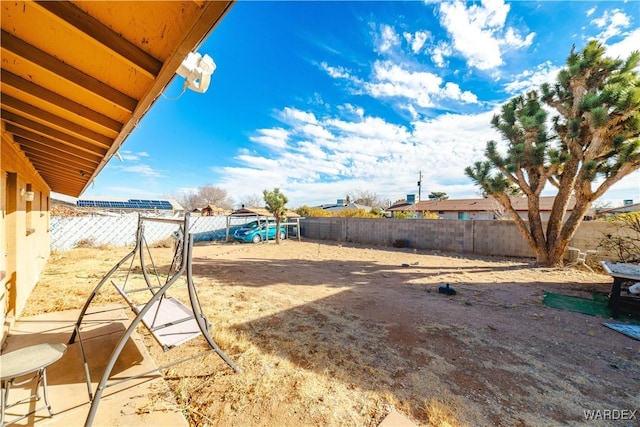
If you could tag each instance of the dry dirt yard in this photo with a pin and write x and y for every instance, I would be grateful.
(338, 335)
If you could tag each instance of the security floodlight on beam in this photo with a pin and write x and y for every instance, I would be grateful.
(197, 71)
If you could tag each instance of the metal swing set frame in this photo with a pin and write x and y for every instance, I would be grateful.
(170, 322)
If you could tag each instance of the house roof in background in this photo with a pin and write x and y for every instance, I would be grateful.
(260, 212)
(334, 207)
(476, 205)
(621, 209)
(212, 208)
(77, 76)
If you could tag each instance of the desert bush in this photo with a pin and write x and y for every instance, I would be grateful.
(167, 242)
(403, 215)
(623, 237)
(401, 243)
(410, 215)
(307, 212)
(355, 213)
(87, 242)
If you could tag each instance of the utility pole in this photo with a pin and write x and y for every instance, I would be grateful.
(420, 187)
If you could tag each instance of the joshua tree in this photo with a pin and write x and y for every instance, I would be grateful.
(276, 202)
(592, 143)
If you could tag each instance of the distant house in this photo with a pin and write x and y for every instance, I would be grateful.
(343, 205)
(398, 205)
(261, 213)
(212, 210)
(485, 208)
(628, 206)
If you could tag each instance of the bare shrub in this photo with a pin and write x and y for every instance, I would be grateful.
(87, 242)
(623, 238)
(167, 242)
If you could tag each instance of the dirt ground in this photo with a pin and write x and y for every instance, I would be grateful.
(338, 335)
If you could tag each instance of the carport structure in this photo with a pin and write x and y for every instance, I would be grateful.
(261, 214)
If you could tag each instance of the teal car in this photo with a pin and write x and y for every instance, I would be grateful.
(256, 231)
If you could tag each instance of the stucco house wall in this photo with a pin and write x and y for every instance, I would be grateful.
(24, 226)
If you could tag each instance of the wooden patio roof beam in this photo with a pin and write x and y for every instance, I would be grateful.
(46, 95)
(65, 71)
(80, 20)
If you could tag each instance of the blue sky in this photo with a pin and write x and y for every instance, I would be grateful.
(324, 99)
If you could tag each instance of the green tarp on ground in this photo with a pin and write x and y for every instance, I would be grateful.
(596, 306)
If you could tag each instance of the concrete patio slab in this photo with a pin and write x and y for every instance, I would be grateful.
(142, 401)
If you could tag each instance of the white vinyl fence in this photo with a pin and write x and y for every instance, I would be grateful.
(70, 232)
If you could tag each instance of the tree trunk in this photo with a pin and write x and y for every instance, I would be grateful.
(538, 246)
(561, 202)
(566, 233)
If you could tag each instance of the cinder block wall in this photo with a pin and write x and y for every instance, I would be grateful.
(499, 238)
(589, 234)
(480, 237)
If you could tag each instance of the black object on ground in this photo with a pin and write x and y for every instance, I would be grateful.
(446, 289)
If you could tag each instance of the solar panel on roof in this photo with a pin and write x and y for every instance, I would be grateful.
(129, 204)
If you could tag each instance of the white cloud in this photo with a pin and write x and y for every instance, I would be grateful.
(413, 112)
(452, 91)
(290, 115)
(612, 23)
(373, 128)
(373, 154)
(416, 40)
(336, 72)
(274, 138)
(366, 152)
(131, 156)
(423, 88)
(390, 80)
(387, 40)
(352, 110)
(592, 11)
(478, 32)
(257, 162)
(311, 150)
(316, 131)
(547, 72)
(624, 47)
(141, 169)
(533, 78)
(513, 39)
(439, 52)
